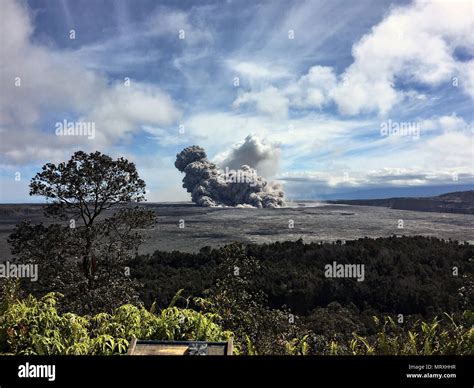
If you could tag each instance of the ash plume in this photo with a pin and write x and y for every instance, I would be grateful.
(255, 152)
(210, 186)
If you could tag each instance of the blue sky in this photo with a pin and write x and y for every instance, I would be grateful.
(307, 87)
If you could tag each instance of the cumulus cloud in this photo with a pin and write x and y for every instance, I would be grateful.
(255, 152)
(210, 186)
(447, 124)
(37, 79)
(122, 110)
(416, 43)
(313, 89)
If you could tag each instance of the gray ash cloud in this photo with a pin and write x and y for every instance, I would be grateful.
(210, 186)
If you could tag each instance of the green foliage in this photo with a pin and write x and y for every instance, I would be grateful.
(31, 326)
(243, 309)
(238, 290)
(85, 258)
(34, 327)
(404, 277)
(93, 180)
(298, 346)
(440, 336)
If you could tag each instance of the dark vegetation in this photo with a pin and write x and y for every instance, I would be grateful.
(402, 280)
(402, 275)
(83, 254)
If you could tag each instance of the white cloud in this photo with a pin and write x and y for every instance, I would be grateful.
(465, 76)
(415, 42)
(269, 101)
(300, 136)
(56, 83)
(253, 71)
(382, 177)
(451, 150)
(312, 89)
(122, 110)
(451, 123)
(444, 150)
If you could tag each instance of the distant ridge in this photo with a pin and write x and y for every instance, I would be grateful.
(457, 202)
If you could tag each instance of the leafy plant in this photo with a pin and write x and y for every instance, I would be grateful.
(86, 258)
(439, 336)
(33, 326)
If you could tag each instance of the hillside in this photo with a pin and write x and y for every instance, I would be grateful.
(457, 202)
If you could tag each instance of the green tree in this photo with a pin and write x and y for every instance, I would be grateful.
(244, 310)
(85, 254)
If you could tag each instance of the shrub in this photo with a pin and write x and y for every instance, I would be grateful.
(440, 336)
(33, 326)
